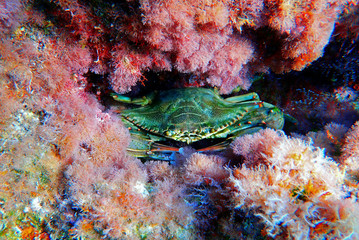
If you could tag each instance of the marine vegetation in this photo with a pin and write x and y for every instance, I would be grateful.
(64, 166)
(193, 114)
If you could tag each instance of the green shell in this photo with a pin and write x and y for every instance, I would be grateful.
(192, 114)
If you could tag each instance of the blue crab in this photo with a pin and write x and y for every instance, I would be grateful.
(189, 115)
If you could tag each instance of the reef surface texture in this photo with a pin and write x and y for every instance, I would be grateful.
(65, 172)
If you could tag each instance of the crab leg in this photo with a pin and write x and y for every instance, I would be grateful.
(138, 101)
(142, 146)
(157, 147)
(243, 98)
(150, 150)
(217, 147)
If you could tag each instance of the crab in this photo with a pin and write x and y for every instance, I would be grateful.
(190, 115)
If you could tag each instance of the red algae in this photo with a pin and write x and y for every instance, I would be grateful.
(64, 167)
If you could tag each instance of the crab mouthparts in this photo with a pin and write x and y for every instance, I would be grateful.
(187, 137)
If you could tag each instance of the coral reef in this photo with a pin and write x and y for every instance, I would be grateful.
(224, 43)
(296, 189)
(349, 159)
(63, 163)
